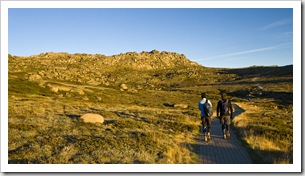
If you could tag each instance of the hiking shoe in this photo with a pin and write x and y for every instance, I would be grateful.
(205, 138)
(228, 135)
(224, 136)
(209, 137)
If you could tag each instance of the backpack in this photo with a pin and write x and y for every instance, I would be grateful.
(208, 109)
(224, 107)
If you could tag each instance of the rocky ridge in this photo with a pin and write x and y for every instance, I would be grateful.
(145, 69)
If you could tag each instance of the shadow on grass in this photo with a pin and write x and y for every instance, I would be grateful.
(107, 122)
(263, 71)
(23, 161)
(73, 116)
(168, 105)
(261, 82)
(284, 98)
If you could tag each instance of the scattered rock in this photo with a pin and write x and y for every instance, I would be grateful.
(183, 106)
(86, 98)
(81, 92)
(68, 95)
(99, 98)
(92, 118)
(64, 88)
(41, 84)
(133, 90)
(34, 77)
(93, 82)
(124, 87)
(41, 73)
(84, 108)
(54, 89)
(107, 83)
(78, 90)
(39, 111)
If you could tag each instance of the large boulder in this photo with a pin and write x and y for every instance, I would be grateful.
(92, 118)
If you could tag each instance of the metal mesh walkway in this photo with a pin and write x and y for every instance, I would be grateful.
(222, 151)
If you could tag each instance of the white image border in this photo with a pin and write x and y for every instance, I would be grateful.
(295, 167)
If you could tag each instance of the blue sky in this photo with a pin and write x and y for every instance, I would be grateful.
(212, 37)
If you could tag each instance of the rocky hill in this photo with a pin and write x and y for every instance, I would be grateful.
(137, 61)
(152, 69)
(132, 71)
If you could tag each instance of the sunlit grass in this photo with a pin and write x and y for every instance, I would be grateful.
(274, 143)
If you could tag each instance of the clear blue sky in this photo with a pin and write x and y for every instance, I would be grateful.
(228, 38)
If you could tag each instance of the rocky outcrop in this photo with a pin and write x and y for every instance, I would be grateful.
(149, 70)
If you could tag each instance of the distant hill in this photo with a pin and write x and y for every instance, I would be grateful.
(144, 60)
(152, 69)
(263, 71)
(148, 70)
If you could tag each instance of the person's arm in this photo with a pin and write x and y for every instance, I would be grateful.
(218, 109)
(231, 109)
(199, 107)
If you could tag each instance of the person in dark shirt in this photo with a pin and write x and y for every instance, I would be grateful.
(225, 114)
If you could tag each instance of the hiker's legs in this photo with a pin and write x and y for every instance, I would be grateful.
(223, 125)
(204, 124)
(227, 128)
(227, 122)
(208, 121)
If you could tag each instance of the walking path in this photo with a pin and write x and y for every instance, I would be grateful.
(223, 151)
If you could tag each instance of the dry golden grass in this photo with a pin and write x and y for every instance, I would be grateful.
(271, 148)
(43, 130)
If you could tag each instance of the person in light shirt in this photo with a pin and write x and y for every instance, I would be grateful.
(205, 119)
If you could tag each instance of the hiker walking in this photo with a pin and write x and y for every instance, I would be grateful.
(205, 106)
(225, 114)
